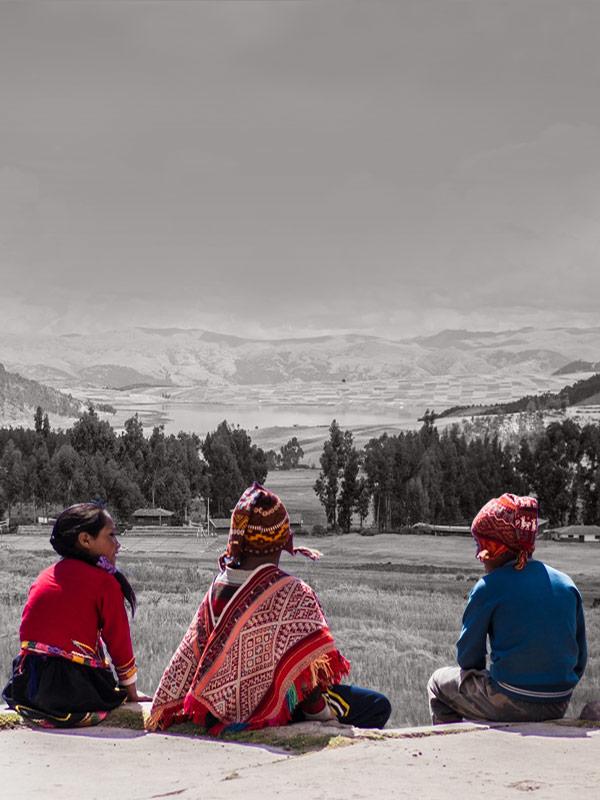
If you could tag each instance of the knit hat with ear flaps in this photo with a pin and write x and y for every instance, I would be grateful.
(260, 525)
(510, 520)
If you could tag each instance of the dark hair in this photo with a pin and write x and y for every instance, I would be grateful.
(91, 518)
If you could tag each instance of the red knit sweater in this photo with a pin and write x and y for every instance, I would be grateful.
(71, 605)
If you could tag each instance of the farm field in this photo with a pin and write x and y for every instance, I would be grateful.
(295, 486)
(394, 602)
(313, 437)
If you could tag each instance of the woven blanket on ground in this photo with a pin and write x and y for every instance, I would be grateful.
(270, 648)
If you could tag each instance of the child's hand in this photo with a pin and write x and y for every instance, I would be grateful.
(140, 698)
(135, 696)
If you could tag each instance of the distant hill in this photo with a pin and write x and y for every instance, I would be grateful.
(577, 366)
(19, 397)
(585, 391)
(188, 357)
(457, 368)
(115, 376)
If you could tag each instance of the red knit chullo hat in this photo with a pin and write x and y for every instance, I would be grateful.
(509, 521)
(260, 525)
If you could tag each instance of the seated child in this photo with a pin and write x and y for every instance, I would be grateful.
(533, 617)
(62, 677)
(258, 651)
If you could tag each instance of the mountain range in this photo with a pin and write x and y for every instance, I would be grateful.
(187, 357)
(460, 366)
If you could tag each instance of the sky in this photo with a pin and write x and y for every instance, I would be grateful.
(294, 168)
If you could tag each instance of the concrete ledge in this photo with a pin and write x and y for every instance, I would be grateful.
(307, 761)
(305, 737)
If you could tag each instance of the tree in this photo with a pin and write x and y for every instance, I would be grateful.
(174, 493)
(556, 456)
(233, 463)
(588, 475)
(12, 475)
(363, 500)
(251, 460)
(156, 463)
(349, 483)
(90, 434)
(41, 476)
(38, 419)
(291, 454)
(191, 463)
(225, 480)
(273, 460)
(332, 462)
(68, 475)
(379, 465)
(114, 486)
(133, 449)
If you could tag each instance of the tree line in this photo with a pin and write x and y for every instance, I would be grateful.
(428, 476)
(578, 392)
(47, 468)
(414, 476)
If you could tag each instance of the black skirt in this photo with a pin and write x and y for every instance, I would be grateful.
(54, 692)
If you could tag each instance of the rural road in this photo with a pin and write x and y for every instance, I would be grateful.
(544, 760)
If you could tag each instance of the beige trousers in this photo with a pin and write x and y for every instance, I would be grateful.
(456, 694)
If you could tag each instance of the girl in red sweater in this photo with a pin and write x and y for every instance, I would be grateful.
(74, 618)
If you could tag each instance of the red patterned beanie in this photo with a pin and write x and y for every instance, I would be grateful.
(507, 523)
(260, 525)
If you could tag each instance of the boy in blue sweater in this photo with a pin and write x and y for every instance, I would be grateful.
(533, 617)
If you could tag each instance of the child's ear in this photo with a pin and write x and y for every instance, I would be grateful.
(83, 540)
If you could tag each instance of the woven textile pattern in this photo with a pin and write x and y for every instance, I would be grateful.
(93, 660)
(510, 520)
(283, 620)
(271, 630)
(178, 676)
(255, 529)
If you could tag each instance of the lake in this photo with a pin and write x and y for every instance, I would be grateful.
(201, 418)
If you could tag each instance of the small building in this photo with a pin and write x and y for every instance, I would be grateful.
(441, 530)
(218, 525)
(152, 516)
(575, 533)
(296, 522)
(434, 529)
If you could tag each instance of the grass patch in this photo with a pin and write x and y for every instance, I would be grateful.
(578, 723)
(302, 742)
(269, 737)
(9, 720)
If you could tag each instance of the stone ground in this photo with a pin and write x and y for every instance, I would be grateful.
(119, 760)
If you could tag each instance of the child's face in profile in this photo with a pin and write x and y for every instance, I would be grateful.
(104, 544)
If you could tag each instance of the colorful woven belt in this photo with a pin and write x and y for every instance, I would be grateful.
(41, 649)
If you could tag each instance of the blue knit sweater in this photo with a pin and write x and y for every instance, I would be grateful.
(534, 620)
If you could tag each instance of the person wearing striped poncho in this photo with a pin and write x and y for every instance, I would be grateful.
(259, 651)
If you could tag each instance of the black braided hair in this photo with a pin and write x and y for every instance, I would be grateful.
(91, 518)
